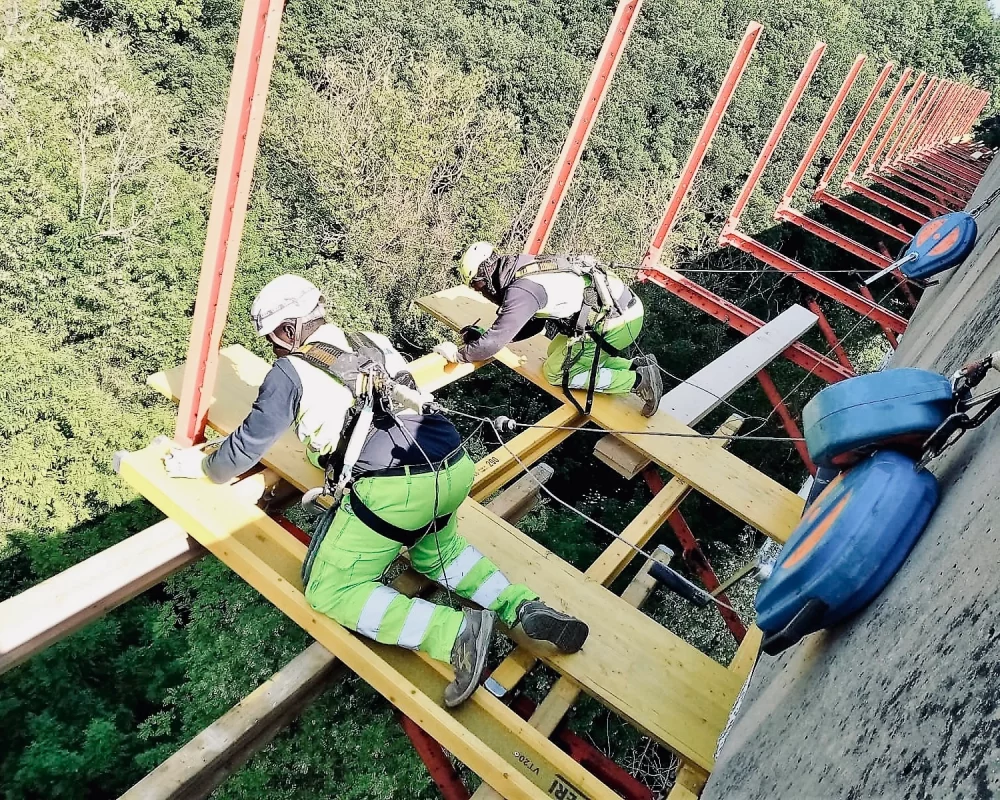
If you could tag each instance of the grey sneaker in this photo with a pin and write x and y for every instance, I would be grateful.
(468, 656)
(543, 624)
(649, 387)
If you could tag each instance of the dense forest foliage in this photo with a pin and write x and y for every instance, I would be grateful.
(397, 131)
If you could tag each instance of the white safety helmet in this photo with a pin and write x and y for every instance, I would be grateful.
(287, 297)
(473, 259)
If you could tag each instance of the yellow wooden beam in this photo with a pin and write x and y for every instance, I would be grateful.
(484, 733)
(749, 494)
(614, 559)
(661, 683)
(501, 467)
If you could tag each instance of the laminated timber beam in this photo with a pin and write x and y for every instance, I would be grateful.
(709, 387)
(609, 565)
(565, 692)
(204, 763)
(739, 488)
(484, 734)
(657, 681)
(55, 608)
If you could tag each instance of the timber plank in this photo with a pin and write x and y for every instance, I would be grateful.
(662, 684)
(749, 494)
(263, 554)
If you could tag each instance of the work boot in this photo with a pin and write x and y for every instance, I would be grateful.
(543, 624)
(649, 387)
(468, 656)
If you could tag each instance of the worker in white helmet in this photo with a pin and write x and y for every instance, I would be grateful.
(595, 317)
(411, 476)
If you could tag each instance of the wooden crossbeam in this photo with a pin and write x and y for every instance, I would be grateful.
(649, 676)
(205, 762)
(613, 560)
(55, 608)
(483, 733)
(749, 494)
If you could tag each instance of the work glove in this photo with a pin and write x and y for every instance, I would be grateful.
(471, 334)
(185, 462)
(448, 351)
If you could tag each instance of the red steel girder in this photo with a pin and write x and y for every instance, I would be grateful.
(932, 111)
(951, 184)
(910, 126)
(852, 131)
(815, 280)
(829, 333)
(707, 133)
(828, 234)
(439, 766)
(597, 88)
(887, 202)
(897, 121)
(947, 165)
(695, 558)
(824, 128)
(255, 50)
(869, 140)
(791, 426)
(774, 138)
(944, 197)
(743, 321)
(893, 341)
(929, 203)
(862, 216)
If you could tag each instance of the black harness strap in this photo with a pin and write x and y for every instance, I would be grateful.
(394, 532)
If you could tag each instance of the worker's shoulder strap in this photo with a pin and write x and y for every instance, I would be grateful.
(344, 366)
(560, 264)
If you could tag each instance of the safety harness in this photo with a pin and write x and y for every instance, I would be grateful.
(376, 396)
(598, 306)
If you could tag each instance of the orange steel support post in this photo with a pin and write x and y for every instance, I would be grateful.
(828, 332)
(695, 558)
(945, 93)
(908, 147)
(786, 213)
(897, 120)
(880, 120)
(694, 293)
(732, 236)
(910, 126)
(954, 111)
(255, 49)
(767, 384)
(597, 88)
(852, 132)
(821, 195)
(773, 139)
(893, 341)
(718, 110)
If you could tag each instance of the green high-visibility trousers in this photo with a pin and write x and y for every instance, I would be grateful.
(614, 374)
(344, 582)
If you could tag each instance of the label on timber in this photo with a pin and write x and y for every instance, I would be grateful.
(527, 762)
(561, 789)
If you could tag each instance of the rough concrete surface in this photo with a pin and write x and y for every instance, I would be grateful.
(902, 701)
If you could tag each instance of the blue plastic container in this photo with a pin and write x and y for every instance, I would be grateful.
(847, 547)
(896, 408)
(940, 244)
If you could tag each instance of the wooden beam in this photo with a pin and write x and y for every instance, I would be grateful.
(55, 608)
(213, 755)
(648, 675)
(261, 552)
(746, 492)
(564, 694)
(688, 784)
(709, 387)
(500, 467)
(613, 560)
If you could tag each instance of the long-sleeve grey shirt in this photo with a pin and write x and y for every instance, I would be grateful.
(272, 414)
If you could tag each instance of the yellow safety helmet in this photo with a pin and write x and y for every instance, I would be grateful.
(473, 259)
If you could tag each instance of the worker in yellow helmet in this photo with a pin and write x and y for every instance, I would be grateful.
(404, 481)
(595, 315)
